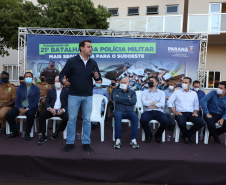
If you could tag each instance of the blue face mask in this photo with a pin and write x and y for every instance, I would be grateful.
(28, 80)
(98, 85)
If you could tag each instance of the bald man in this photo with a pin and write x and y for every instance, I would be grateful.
(125, 99)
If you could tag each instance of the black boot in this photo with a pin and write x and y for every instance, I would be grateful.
(55, 135)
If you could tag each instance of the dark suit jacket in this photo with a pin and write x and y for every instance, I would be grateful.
(52, 95)
(33, 96)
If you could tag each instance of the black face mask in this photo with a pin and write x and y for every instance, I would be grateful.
(22, 83)
(113, 84)
(5, 79)
(150, 84)
(43, 79)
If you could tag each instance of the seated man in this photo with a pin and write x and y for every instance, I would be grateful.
(153, 101)
(7, 98)
(27, 98)
(56, 105)
(187, 107)
(125, 100)
(99, 90)
(44, 87)
(214, 109)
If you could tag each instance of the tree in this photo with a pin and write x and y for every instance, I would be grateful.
(48, 13)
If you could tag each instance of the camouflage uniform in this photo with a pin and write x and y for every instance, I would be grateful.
(44, 87)
(7, 94)
(50, 74)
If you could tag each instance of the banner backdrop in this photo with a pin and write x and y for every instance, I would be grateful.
(168, 59)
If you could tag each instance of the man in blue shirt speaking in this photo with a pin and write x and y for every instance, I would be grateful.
(214, 107)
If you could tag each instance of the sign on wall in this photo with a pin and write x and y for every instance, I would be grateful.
(168, 59)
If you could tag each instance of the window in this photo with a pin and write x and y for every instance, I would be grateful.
(152, 10)
(113, 11)
(212, 79)
(13, 72)
(172, 9)
(133, 11)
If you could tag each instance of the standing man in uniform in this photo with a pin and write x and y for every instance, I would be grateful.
(44, 87)
(7, 98)
(50, 73)
(80, 71)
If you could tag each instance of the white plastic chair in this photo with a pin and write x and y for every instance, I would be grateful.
(122, 120)
(206, 138)
(176, 133)
(96, 112)
(139, 105)
(153, 122)
(21, 118)
(54, 119)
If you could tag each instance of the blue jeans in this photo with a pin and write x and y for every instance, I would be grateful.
(74, 103)
(132, 116)
(154, 115)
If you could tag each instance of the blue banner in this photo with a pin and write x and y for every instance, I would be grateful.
(116, 57)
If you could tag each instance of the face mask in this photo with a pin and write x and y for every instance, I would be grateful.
(43, 79)
(98, 85)
(150, 84)
(5, 79)
(123, 86)
(196, 89)
(28, 80)
(22, 83)
(113, 84)
(57, 85)
(219, 91)
(171, 87)
(184, 86)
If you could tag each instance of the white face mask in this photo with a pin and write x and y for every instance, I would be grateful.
(219, 91)
(196, 89)
(123, 86)
(57, 85)
(171, 87)
(184, 86)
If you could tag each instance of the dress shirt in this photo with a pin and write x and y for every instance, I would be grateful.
(85, 61)
(57, 104)
(200, 94)
(213, 103)
(148, 97)
(184, 101)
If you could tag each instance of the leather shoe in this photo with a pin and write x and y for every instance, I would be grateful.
(55, 135)
(14, 134)
(158, 140)
(186, 140)
(87, 148)
(148, 139)
(68, 147)
(27, 136)
(191, 139)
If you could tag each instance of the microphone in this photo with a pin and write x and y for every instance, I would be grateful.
(94, 68)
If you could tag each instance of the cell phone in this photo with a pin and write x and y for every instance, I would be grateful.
(57, 111)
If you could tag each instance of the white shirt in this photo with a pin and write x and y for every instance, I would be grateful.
(184, 101)
(148, 97)
(85, 61)
(57, 104)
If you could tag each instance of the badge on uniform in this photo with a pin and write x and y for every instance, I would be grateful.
(9, 89)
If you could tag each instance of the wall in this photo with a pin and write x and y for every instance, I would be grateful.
(122, 5)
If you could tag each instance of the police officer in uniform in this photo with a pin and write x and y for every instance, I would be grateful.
(44, 87)
(7, 98)
(50, 72)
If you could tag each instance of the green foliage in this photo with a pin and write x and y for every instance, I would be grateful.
(79, 14)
